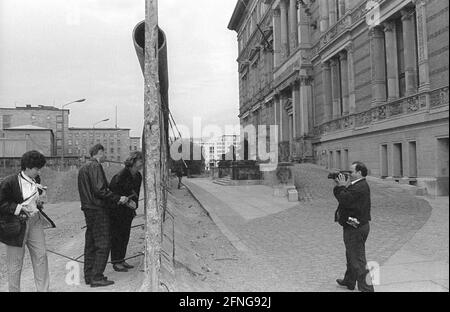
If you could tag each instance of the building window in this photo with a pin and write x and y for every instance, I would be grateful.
(412, 159)
(338, 160)
(112, 150)
(6, 121)
(69, 142)
(69, 151)
(77, 142)
(135, 148)
(398, 160)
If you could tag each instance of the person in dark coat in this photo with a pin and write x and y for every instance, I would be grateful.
(96, 199)
(179, 174)
(22, 222)
(353, 214)
(126, 183)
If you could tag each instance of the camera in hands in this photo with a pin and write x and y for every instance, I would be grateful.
(335, 175)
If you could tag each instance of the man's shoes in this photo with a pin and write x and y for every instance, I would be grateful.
(119, 267)
(88, 280)
(345, 284)
(101, 283)
(127, 265)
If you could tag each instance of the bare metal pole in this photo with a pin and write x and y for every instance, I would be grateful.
(152, 150)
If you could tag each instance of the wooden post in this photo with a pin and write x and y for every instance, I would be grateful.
(152, 151)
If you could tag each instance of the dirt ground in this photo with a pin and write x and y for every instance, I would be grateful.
(204, 258)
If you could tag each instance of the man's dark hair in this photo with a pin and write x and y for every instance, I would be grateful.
(95, 149)
(360, 166)
(32, 159)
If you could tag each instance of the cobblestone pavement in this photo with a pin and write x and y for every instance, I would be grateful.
(301, 245)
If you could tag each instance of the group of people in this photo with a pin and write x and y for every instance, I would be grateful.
(109, 209)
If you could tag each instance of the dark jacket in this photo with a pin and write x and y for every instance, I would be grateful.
(10, 197)
(93, 187)
(354, 201)
(124, 184)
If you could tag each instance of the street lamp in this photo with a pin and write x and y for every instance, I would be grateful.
(63, 132)
(93, 128)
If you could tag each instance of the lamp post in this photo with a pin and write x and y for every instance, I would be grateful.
(93, 127)
(63, 132)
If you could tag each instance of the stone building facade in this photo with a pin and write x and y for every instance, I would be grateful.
(116, 142)
(349, 80)
(48, 117)
(135, 144)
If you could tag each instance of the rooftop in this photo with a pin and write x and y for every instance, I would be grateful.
(30, 107)
(99, 129)
(29, 127)
(237, 14)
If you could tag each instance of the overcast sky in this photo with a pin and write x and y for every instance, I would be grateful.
(56, 51)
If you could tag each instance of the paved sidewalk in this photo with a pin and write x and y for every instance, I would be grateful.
(305, 249)
(422, 264)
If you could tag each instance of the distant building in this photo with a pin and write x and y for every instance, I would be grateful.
(15, 141)
(344, 83)
(216, 149)
(116, 142)
(135, 144)
(47, 117)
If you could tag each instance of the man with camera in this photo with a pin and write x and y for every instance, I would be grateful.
(353, 214)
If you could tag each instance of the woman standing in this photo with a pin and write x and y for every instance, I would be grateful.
(126, 183)
(22, 222)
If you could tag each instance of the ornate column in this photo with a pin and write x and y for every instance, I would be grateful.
(303, 27)
(344, 83)
(326, 91)
(336, 88)
(332, 12)
(422, 42)
(284, 119)
(284, 30)
(348, 5)
(305, 107)
(277, 113)
(378, 66)
(293, 25)
(391, 60)
(297, 109)
(324, 18)
(351, 79)
(277, 37)
(342, 8)
(409, 42)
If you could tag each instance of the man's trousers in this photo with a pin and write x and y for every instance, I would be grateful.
(97, 243)
(35, 241)
(121, 219)
(355, 251)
